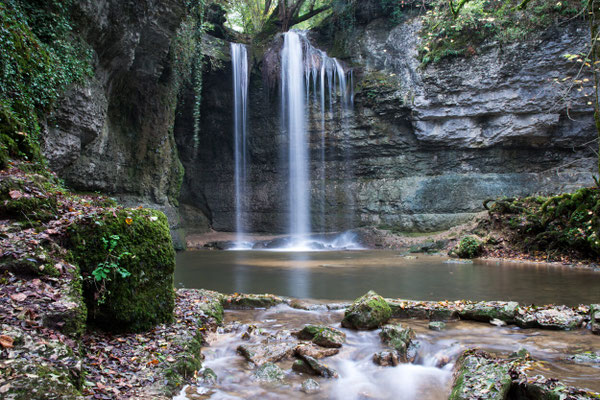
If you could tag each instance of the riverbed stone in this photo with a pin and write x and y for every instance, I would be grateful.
(315, 351)
(595, 318)
(386, 358)
(585, 358)
(367, 312)
(269, 372)
(479, 376)
(321, 335)
(314, 367)
(554, 318)
(310, 386)
(262, 353)
(490, 310)
(398, 338)
(437, 325)
(252, 301)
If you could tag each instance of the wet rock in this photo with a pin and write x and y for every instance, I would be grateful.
(310, 386)
(314, 367)
(478, 376)
(386, 358)
(487, 311)
(208, 376)
(269, 373)
(399, 339)
(314, 351)
(434, 311)
(321, 335)
(437, 325)
(556, 318)
(539, 387)
(251, 301)
(262, 353)
(367, 312)
(497, 322)
(585, 358)
(595, 318)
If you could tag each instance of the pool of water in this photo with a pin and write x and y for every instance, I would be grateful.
(346, 275)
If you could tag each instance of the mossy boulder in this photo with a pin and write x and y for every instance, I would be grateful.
(310, 365)
(398, 338)
(367, 312)
(252, 301)
(477, 376)
(269, 373)
(468, 247)
(324, 336)
(437, 325)
(488, 311)
(28, 200)
(137, 293)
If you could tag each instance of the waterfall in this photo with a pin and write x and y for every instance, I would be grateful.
(304, 67)
(239, 60)
(293, 105)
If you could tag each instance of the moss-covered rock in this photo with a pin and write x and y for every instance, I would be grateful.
(321, 335)
(386, 358)
(367, 312)
(251, 301)
(398, 338)
(437, 325)
(478, 376)
(488, 311)
(134, 248)
(269, 373)
(30, 200)
(468, 247)
(553, 318)
(310, 365)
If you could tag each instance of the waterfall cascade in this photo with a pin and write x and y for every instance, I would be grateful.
(239, 60)
(307, 75)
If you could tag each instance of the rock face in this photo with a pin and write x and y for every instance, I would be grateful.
(492, 125)
(114, 134)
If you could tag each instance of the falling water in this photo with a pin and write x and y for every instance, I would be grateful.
(293, 99)
(239, 60)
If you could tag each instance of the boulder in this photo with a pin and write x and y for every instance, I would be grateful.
(555, 318)
(310, 365)
(367, 312)
(490, 310)
(595, 318)
(324, 336)
(386, 358)
(315, 351)
(478, 376)
(310, 386)
(399, 339)
(437, 325)
(262, 353)
(269, 373)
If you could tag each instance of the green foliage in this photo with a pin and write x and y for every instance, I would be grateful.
(39, 58)
(110, 267)
(565, 224)
(446, 34)
(469, 247)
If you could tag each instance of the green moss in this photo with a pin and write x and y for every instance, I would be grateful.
(321, 335)
(269, 372)
(469, 247)
(31, 201)
(367, 312)
(397, 338)
(146, 297)
(479, 375)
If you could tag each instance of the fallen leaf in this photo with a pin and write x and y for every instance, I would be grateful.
(5, 388)
(18, 296)
(7, 342)
(15, 194)
(129, 221)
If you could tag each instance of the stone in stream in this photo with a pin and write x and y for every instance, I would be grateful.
(251, 301)
(478, 376)
(269, 372)
(314, 351)
(386, 358)
(310, 386)
(556, 318)
(595, 318)
(585, 358)
(310, 365)
(399, 339)
(321, 335)
(487, 311)
(262, 353)
(437, 325)
(367, 312)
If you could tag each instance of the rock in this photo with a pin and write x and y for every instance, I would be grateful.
(262, 353)
(314, 351)
(250, 301)
(386, 358)
(208, 377)
(307, 364)
(269, 373)
(398, 338)
(595, 318)
(487, 311)
(144, 297)
(497, 322)
(556, 318)
(310, 386)
(324, 336)
(469, 247)
(437, 325)
(585, 358)
(367, 312)
(478, 376)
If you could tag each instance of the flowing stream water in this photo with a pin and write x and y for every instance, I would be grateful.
(428, 378)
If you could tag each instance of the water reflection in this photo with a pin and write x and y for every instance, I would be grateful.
(347, 275)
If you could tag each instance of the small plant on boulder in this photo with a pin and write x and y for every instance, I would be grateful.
(468, 247)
